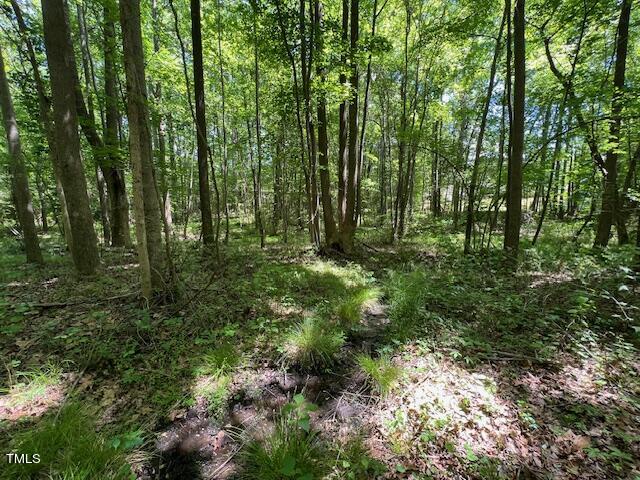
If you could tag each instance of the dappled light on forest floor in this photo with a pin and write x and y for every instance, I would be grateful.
(417, 364)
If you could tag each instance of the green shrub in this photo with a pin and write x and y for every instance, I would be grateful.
(69, 448)
(293, 451)
(382, 375)
(312, 344)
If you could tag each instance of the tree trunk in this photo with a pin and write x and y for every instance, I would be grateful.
(330, 232)
(610, 200)
(225, 174)
(146, 205)
(478, 154)
(343, 120)
(514, 184)
(398, 207)
(554, 162)
(306, 58)
(348, 225)
(46, 121)
(201, 126)
(160, 127)
(19, 177)
(258, 172)
(61, 61)
(120, 232)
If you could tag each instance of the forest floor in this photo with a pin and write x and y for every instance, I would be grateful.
(445, 366)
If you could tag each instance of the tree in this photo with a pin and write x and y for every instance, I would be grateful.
(19, 177)
(348, 221)
(478, 154)
(514, 183)
(114, 173)
(61, 61)
(330, 231)
(208, 237)
(145, 193)
(609, 210)
(46, 121)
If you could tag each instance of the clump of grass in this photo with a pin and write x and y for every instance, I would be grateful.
(382, 375)
(293, 450)
(69, 448)
(27, 386)
(350, 310)
(312, 344)
(222, 359)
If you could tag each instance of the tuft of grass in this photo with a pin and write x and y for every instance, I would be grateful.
(382, 375)
(350, 310)
(215, 390)
(222, 359)
(312, 344)
(69, 448)
(408, 295)
(293, 450)
(28, 386)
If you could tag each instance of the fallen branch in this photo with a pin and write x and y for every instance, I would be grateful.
(81, 302)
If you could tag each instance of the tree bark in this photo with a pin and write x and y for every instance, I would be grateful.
(610, 200)
(514, 187)
(19, 177)
(201, 126)
(330, 231)
(348, 226)
(120, 232)
(258, 171)
(146, 205)
(46, 121)
(62, 65)
(225, 170)
(343, 119)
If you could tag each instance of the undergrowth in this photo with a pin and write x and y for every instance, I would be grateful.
(69, 449)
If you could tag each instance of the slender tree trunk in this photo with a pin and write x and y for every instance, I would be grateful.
(365, 109)
(120, 233)
(398, 208)
(201, 126)
(514, 188)
(258, 172)
(146, 205)
(610, 200)
(46, 121)
(19, 176)
(478, 153)
(554, 162)
(160, 127)
(225, 175)
(306, 58)
(348, 225)
(343, 120)
(61, 61)
(301, 135)
(330, 230)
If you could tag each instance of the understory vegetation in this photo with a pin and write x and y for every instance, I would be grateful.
(405, 362)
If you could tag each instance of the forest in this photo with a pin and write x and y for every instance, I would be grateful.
(320, 239)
